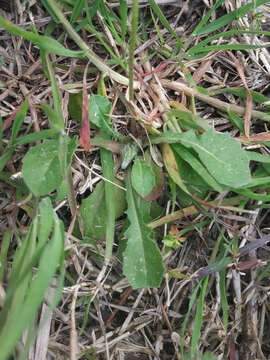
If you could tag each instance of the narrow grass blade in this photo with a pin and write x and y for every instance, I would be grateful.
(108, 173)
(77, 10)
(165, 22)
(5, 157)
(224, 35)
(206, 17)
(132, 44)
(224, 301)
(198, 319)
(219, 47)
(123, 13)
(57, 103)
(3, 253)
(187, 316)
(228, 18)
(18, 121)
(37, 136)
(1, 131)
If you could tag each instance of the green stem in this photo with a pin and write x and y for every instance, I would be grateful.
(132, 43)
(99, 63)
(108, 173)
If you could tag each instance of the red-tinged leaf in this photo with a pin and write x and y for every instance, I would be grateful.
(246, 265)
(232, 347)
(9, 121)
(85, 126)
(248, 111)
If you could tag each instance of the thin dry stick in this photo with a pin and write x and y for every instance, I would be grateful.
(73, 332)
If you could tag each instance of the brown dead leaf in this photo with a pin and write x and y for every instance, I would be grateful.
(85, 125)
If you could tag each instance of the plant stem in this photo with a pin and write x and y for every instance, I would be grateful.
(96, 60)
(222, 105)
(132, 43)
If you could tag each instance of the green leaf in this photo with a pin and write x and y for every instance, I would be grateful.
(198, 319)
(142, 177)
(142, 259)
(93, 211)
(37, 136)
(165, 22)
(110, 199)
(45, 43)
(188, 121)
(42, 169)
(128, 152)
(197, 166)
(46, 218)
(75, 106)
(222, 156)
(18, 121)
(123, 9)
(99, 112)
(55, 119)
(77, 10)
(228, 18)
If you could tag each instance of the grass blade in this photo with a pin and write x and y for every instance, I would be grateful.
(198, 319)
(228, 18)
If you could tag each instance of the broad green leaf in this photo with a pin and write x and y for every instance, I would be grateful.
(99, 113)
(41, 168)
(221, 155)
(93, 211)
(197, 166)
(188, 121)
(158, 173)
(142, 177)
(142, 260)
(129, 152)
(75, 106)
(172, 166)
